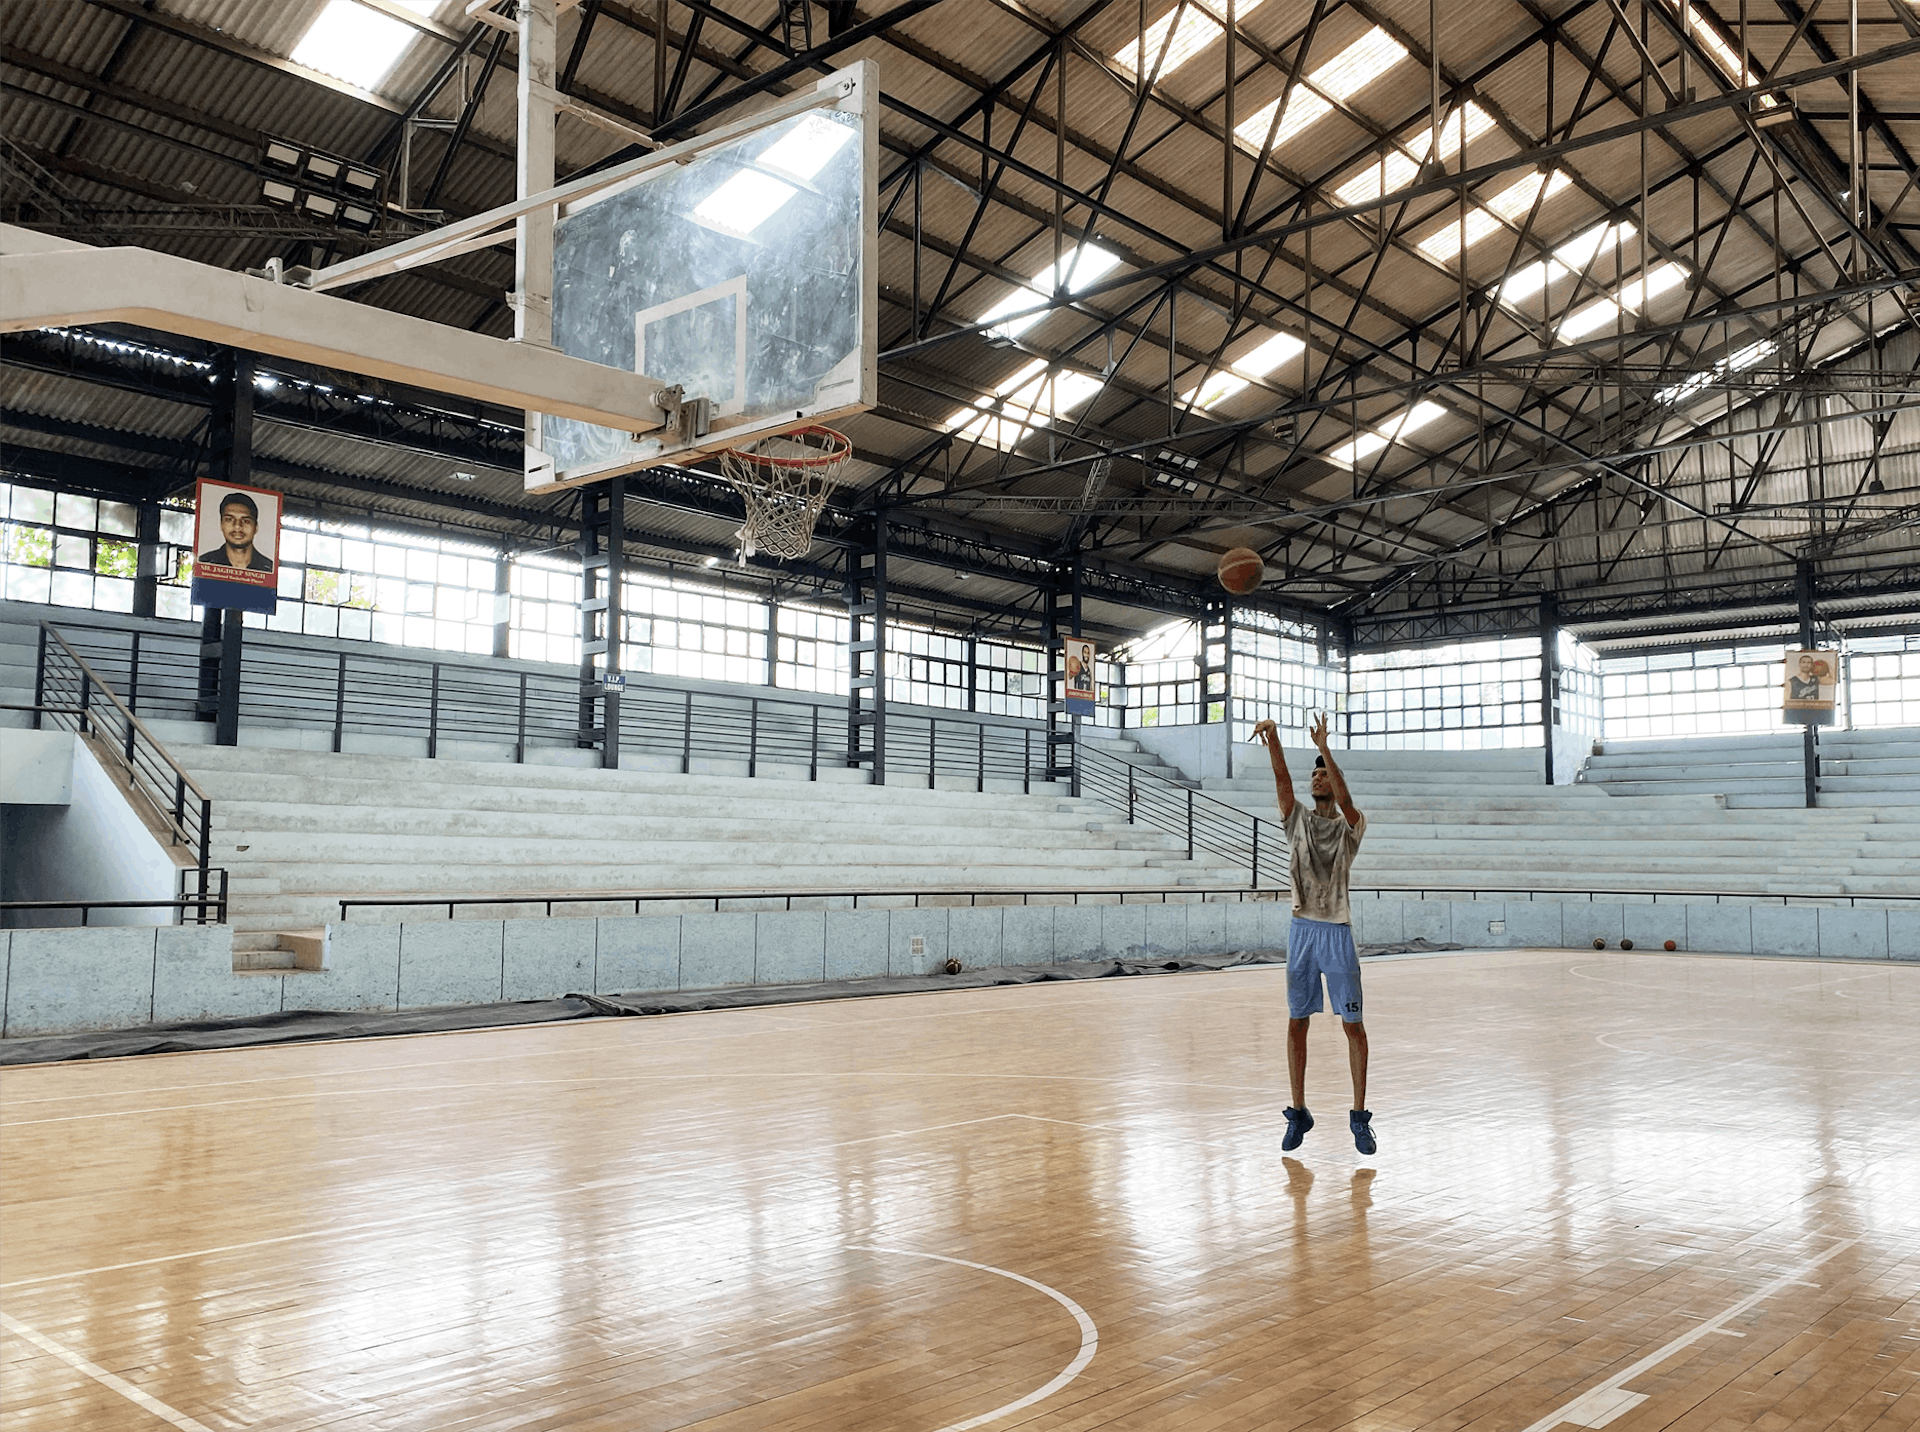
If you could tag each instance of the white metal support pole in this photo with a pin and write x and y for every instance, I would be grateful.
(533, 231)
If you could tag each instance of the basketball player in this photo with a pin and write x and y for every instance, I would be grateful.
(1320, 945)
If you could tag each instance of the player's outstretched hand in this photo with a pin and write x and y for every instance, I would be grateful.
(1267, 732)
(1319, 732)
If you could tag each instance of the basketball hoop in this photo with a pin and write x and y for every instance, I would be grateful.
(785, 482)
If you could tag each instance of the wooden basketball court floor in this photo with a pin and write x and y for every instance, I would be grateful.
(1635, 1191)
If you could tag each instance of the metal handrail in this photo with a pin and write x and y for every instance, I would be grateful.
(341, 693)
(151, 770)
(1550, 894)
(1208, 824)
(215, 901)
(1199, 895)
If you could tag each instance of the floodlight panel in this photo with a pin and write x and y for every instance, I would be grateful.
(745, 275)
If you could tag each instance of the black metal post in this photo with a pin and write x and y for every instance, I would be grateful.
(867, 654)
(40, 676)
(602, 627)
(148, 559)
(339, 702)
(433, 715)
(226, 720)
(1549, 679)
(1803, 590)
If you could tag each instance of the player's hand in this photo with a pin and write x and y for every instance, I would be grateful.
(1267, 732)
(1319, 732)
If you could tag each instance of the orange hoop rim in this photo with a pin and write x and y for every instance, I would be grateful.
(841, 449)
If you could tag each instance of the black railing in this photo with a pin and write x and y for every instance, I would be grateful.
(209, 906)
(70, 695)
(467, 708)
(1124, 895)
(1209, 827)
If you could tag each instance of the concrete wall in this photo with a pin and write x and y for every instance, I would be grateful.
(1197, 752)
(62, 981)
(58, 981)
(94, 847)
(1835, 931)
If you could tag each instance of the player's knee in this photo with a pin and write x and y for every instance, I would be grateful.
(1355, 1029)
(1300, 1022)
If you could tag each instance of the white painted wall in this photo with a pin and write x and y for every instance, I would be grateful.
(92, 848)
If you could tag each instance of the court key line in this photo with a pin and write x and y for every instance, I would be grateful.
(1089, 1334)
(1599, 1405)
(101, 1375)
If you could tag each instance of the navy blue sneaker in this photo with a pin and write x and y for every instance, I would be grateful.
(1361, 1122)
(1298, 1122)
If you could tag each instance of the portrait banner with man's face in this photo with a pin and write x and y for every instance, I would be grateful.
(1812, 682)
(1082, 693)
(236, 546)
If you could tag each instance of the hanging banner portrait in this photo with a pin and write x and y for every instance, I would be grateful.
(1081, 692)
(1811, 682)
(236, 544)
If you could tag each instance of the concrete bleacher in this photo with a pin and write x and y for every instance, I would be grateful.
(1485, 820)
(1763, 772)
(299, 831)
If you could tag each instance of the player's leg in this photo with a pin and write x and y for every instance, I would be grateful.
(1342, 963)
(1304, 1000)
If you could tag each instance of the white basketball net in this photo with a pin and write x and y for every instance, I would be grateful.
(785, 482)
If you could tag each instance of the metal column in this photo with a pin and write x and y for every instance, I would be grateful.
(602, 565)
(151, 559)
(867, 654)
(1549, 680)
(230, 459)
(1804, 592)
(1063, 728)
(1216, 659)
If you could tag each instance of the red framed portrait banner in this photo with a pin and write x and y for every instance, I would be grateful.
(236, 547)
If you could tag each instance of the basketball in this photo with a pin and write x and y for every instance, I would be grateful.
(1241, 570)
(1599, 944)
(1626, 944)
(1671, 945)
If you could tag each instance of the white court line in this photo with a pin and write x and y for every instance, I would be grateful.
(1089, 1335)
(1822, 984)
(102, 1376)
(1610, 1396)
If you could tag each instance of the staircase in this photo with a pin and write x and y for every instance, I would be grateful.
(301, 830)
(1764, 772)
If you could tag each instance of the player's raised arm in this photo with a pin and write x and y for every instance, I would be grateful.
(1341, 797)
(1267, 732)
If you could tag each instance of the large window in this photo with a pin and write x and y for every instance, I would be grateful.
(352, 580)
(1466, 697)
(1883, 681)
(66, 550)
(1719, 691)
(1277, 674)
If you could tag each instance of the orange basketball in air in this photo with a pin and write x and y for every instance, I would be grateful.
(1241, 570)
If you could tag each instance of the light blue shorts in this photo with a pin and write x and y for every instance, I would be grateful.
(1316, 949)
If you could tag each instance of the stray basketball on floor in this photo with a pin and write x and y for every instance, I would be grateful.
(1241, 570)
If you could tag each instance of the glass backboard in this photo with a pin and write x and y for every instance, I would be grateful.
(745, 275)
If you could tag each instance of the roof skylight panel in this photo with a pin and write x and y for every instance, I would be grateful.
(356, 43)
(1398, 167)
(1196, 30)
(1031, 398)
(1736, 362)
(1571, 257)
(1631, 297)
(1335, 82)
(1238, 374)
(1357, 451)
(1707, 33)
(1510, 205)
(1083, 265)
